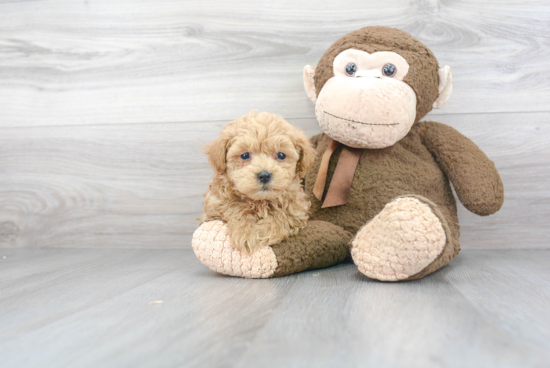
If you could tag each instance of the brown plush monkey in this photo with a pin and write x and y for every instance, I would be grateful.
(380, 184)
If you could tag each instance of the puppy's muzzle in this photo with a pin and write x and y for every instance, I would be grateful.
(264, 177)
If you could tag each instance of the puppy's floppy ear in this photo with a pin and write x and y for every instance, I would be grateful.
(307, 153)
(217, 150)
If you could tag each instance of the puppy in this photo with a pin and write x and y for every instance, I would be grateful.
(258, 162)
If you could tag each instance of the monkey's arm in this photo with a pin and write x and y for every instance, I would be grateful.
(320, 244)
(474, 177)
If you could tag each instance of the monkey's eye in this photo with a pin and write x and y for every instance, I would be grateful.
(281, 156)
(351, 69)
(245, 156)
(389, 70)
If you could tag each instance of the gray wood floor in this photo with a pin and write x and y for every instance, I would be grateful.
(162, 308)
(106, 105)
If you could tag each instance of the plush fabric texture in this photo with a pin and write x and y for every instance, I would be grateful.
(400, 211)
(212, 247)
(321, 244)
(445, 87)
(370, 65)
(423, 71)
(309, 83)
(340, 113)
(452, 246)
(420, 165)
(399, 242)
(474, 177)
(340, 186)
(318, 245)
(321, 181)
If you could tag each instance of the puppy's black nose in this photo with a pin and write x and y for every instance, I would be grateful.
(264, 177)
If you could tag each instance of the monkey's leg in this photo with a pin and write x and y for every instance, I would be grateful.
(320, 244)
(409, 239)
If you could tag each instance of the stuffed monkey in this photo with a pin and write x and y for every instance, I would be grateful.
(380, 186)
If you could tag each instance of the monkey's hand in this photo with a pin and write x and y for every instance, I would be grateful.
(474, 177)
(212, 246)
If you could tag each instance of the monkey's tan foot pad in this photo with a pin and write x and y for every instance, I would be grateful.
(402, 240)
(212, 247)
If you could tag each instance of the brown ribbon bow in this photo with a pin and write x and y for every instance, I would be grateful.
(340, 185)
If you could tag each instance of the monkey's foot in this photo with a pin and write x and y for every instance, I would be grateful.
(212, 247)
(399, 242)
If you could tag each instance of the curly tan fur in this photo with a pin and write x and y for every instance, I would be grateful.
(258, 214)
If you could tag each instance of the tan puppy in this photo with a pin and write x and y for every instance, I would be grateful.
(258, 161)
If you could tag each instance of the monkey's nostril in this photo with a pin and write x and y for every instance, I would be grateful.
(264, 177)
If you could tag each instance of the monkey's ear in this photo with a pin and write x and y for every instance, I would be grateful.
(445, 87)
(309, 82)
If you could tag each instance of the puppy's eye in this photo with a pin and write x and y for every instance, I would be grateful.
(351, 69)
(389, 70)
(281, 156)
(245, 156)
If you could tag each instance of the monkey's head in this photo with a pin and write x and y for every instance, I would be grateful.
(373, 84)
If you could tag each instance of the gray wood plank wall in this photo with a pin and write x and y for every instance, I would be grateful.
(106, 105)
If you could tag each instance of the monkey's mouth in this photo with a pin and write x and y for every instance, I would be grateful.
(355, 121)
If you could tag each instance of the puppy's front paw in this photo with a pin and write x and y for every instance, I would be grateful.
(245, 239)
(212, 247)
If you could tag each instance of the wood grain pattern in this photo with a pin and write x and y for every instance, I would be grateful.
(92, 308)
(90, 62)
(106, 106)
(141, 185)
